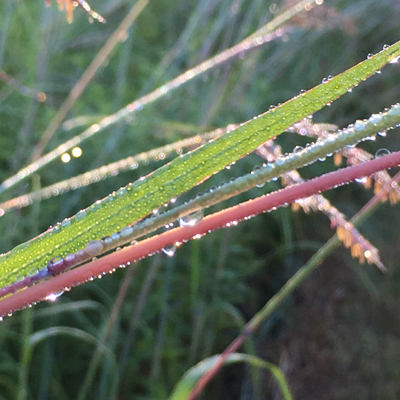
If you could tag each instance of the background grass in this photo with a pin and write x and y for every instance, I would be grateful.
(336, 338)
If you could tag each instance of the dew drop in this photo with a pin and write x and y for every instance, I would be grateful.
(94, 247)
(298, 149)
(169, 250)
(126, 231)
(115, 236)
(33, 271)
(54, 296)
(21, 246)
(121, 192)
(55, 265)
(395, 110)
(70, 259)
(107, 240)
(362, 180)
(95, 206)
(260, 185)
(369, 56)
(55, 229)
(80, 214)
(66, 222)
(359, 125)
(191, 219)
(381, 152)
(375, 119)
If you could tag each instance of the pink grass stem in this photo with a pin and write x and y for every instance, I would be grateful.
(218, 220)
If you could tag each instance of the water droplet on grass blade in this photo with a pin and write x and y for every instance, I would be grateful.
(54, 296)
(94, 247)
(169, 250)
(362, 180)
(298, 149)
(191, 219)
(381, 152)
(375, 118)
(359, 125)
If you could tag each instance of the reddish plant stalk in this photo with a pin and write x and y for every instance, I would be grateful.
(251, 326)
(218, 220)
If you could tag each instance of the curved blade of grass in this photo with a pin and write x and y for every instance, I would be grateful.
(193, 375)
(258, 38)
(138, 199)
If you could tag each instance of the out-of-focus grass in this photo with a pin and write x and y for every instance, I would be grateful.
(336, 338)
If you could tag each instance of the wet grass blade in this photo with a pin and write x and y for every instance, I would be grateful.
(194, 374)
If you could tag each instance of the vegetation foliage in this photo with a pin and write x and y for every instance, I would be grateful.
(142, 324)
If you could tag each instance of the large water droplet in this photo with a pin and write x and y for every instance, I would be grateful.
(126, 231)
(362, 180)
(94, 247)
(381, 152)
(191, 219)
(260, 185)
(55, 265)
(169, 250)
(54, 296)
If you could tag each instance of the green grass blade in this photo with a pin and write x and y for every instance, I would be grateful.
(140, 198)
(192, 376)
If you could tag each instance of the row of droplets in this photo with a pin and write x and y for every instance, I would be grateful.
(109, 170)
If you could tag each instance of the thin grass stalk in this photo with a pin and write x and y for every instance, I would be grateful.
(116, 37)
(258, 38)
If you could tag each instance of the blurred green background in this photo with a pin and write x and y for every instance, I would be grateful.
(337, 337)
